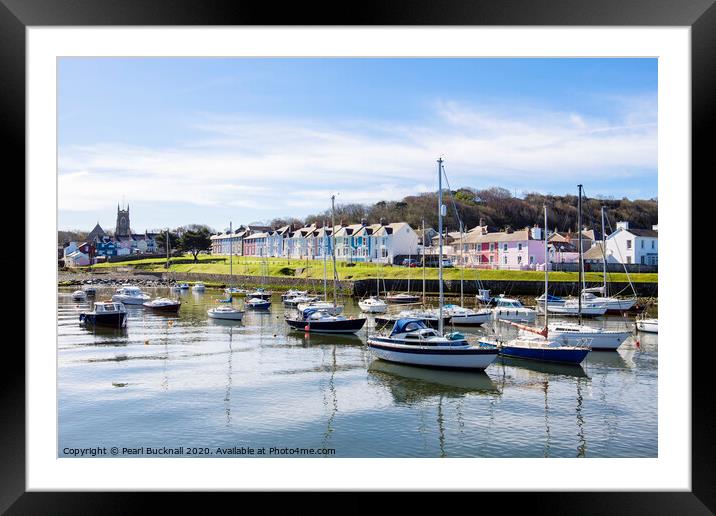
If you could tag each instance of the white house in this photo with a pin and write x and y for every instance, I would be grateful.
(634, 245)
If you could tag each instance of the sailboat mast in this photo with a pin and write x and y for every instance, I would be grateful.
(579, 230)
(604, 256)
(462, 269)
(546, 270)
(231, 254)
(423, 262)
(333, 248)
(440, 246)
(167, 248)
(325, 248)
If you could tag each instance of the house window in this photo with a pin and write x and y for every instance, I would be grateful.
(628, 242)
(642, 244)
(519, 259)
(519, 247)
(653, 243)
(492, 259)
(628, 259)
(504, 260)
(492, 247)
(532, 259)
(643, 260)
(504, 247)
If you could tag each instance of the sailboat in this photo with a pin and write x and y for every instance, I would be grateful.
(314, 302)
(412, 342)
(570, 333)
(403, 298)
(459, 315)
(534, 344)
(579, 307)
(613, 304)
(321, 320)
(374, 304)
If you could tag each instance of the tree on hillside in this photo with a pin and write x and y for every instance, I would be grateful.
(195, 241)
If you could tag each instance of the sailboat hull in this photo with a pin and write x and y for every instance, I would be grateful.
(468, 358)
(563, 356)
(343, 326)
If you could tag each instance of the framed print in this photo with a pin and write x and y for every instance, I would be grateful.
(372, 254)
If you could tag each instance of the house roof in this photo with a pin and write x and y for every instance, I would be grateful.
(644, 232)
(501, 236)
(594, 253)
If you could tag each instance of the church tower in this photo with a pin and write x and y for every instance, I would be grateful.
(122, 228)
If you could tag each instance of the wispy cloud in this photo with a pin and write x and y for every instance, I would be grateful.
(255, 163)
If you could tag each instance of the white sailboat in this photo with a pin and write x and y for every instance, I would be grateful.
(412, 342)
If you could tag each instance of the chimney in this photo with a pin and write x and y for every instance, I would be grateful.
(482, 222)
(363, 222)
(382, 221)
(622, 225)
(536, 233)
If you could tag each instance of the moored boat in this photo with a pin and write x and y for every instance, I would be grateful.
(105, 313)
(402, 298)
(373, 305)
(225, 312)
(256, 303)
(325, 306)
(79, 295)
(320, 321)
(460, 316)
(130, 295)
(513, 310)
(598, 338)
(163, 304)
(198, 287)
(647, 325)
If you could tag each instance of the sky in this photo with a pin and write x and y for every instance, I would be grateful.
(213, 140)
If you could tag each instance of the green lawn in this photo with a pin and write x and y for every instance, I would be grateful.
(282, 267)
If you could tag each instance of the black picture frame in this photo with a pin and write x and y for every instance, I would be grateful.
(17, 15)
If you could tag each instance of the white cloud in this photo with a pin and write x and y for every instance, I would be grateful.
(259, 163)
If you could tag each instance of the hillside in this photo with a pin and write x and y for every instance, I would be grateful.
(499, 209)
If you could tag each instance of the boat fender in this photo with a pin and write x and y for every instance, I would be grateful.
(307, 327)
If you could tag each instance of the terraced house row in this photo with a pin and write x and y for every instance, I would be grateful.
(480, 247)
(356, 242)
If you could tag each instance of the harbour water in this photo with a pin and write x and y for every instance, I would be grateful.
(187, 385)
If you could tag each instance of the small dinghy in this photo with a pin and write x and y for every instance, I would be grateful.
(163, 304)
(225, 312)
(79, 295)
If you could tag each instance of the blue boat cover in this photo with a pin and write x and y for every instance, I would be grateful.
(406, 325)
(308, 311)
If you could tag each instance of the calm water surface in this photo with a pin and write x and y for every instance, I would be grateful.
(188, 381)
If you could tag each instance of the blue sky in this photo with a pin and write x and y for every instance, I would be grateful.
(210, 140)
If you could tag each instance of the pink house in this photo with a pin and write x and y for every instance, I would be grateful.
(522, 249)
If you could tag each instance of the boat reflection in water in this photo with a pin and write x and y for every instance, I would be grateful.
(621, 359)
(409, 384)
(324, 339)
(544, 368)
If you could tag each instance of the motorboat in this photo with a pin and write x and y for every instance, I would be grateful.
(402, 298)
(257, 303)
(79, 295)
(460, 316)
(598, 338)
(513, 310)
(299, 299)
(198, 287)
(412, 342)
(105, 313)
(260, 293)
(647, 325)
(225, 312)
(90, 291)
(552, 300)
(131, 295)
(163, 304)
(373, 305)
(321, 321)
(183, 286)
(235, 291)
(325, 306)
(483, 296)
(293, 293)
